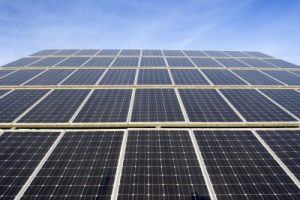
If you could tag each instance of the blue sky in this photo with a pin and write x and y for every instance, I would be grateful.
(270, 26)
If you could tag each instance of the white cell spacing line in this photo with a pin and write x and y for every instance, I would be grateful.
(130, 109)
(90, 58)
(65, 58)
(33, 105)
(68, 76)
(294, 73)
(137, 71)
(188, 57)
(231, 106)
(277, 104)
(101, 77)
(206, 78)
(39, 167)
(7, 93)
(182, 108)
(42, 72)
(33, 62)
(239, 77)
(278, 160)
(140, 58)
(165, 59)
(268, 62)
(273, 78)
(116, 185)
(13, 71)
(204, 171)
(171, 76)
(238, 59)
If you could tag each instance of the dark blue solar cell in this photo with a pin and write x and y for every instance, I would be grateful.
(216, 54)
(45, 52)
(19, 77)
(223, 77)
(179, 62)
(237, 54)
(254, 62)
(126, 62)
(153, 76)
(231, 62)
(284, 76)
(66, 52)
(188, 77)
(173, 53)
(206, 62)
(153, 62)
(51, 77)
(194, 53)
(281, 63)
(87, 52)
(130, 52)
(256, 77)
(73, 61)
(108, 52)
(47, 62)
(258, 54)
(84, 77)
(150, 52)
(99, 62)
(5, 72)
(22, 62)
(118, 77)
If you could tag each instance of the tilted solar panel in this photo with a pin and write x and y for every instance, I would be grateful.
(99, 62)
(84, 77)
(153, 62)
(51, 77)
(223, 77)
(22, 62)
(179, 62)
(118, 77)
(284, 76)
(255, 77)
(153, 76)
(47, 62)
(188, 77)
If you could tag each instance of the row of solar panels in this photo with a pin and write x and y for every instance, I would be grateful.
(150, 164)
(148, 77)
(149, 105)
(148, 52)
(148, 62)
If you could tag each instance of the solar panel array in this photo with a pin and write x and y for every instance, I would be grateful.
(149, 124)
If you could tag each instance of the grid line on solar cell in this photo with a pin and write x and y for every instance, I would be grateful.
(281, 63)
(255, 77)
(58, 106)
(5, 72)
(45, 52)
(173, 53)
(118, 77)
(285, 144)
(206, 62)
(150, 52)
(153, 76)
(66, 52)
(19, 77)
(82, 166)
(99, 62)
(254, 62)
(289, 99)
(106, 106)
(20, 153)
(152, 105)
(84, 77)
(231, 62)
(254, 106)
(16, 102)
(194, 53)
(188, 77)
(126, 62)
(241, 168)
(284, 76)
(51, 77)
(207, 106)
(2, 92)
(47, 62)
(108, 52)
(130, 52)
(161, 165)
(73, 61)
(296, 72)
(223, 77)
(153, 62)
(87, 52)
(216, 54)
(22, 62)
(179, 62)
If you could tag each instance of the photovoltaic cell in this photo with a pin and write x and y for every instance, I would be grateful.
(130, 52)
(194, 53)
(82, 166)
(179, 62)
(19, 77)
(205, 62)
(239, 167)
(99, 62)
(47, 62)
(284, 76)
(118, 77)
(153, 76)
(58, 106)
(87, 52)
(231, 62)
(216, 54)
(126, 61)
(50, 77)
(188, 77)
(173, 53)
(2, 92)
(281, 63)
(254, 106)
(108, 52)
(206, 106)
(155, 105)
(258, 54)
(236, 54)
(153, 62)
(161, 165)
(106, 106)
(5, 72)
(66, 52)
(285, 144)
(22, 62)
(45, 52)
(296, 72)
(150, 52)
(223, 77)
(20, 153)
(256, 77)
(17, 102)
(84, 77)
(289, 99)
(256, 62)
(73, 61)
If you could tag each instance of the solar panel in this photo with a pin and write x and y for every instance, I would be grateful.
(223, 77)
(99, 62)
(17, 102)
(188, 77)
(20, 153)
(84, 77)
(153, 62)
(289, 99)
(285, 143)
(58, 106)
(118, 77)
(281, 63)
(237, 54)
(255, 77)
(206, 106)
(254, 106)
(231, 62)
(156, 105)
(2, 92)
(241, 168)
(82, 166)
(179, 62)
(153, 76)
(194, 53)
(22, 62)
(205, 62)
(51, 77)
(5, 72)
(126, 61)
(109, 52)
(161, 165)
(106, 106)
(296, 72)
(130, 52)
(256, 62)
(173, 53)
(47, 62)
(284, 76)
(258, 54)
(216, 54)
(73, 61)
(66, 52)
(19, 77)
(150, 52)
(87, 52)
(45, 52)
